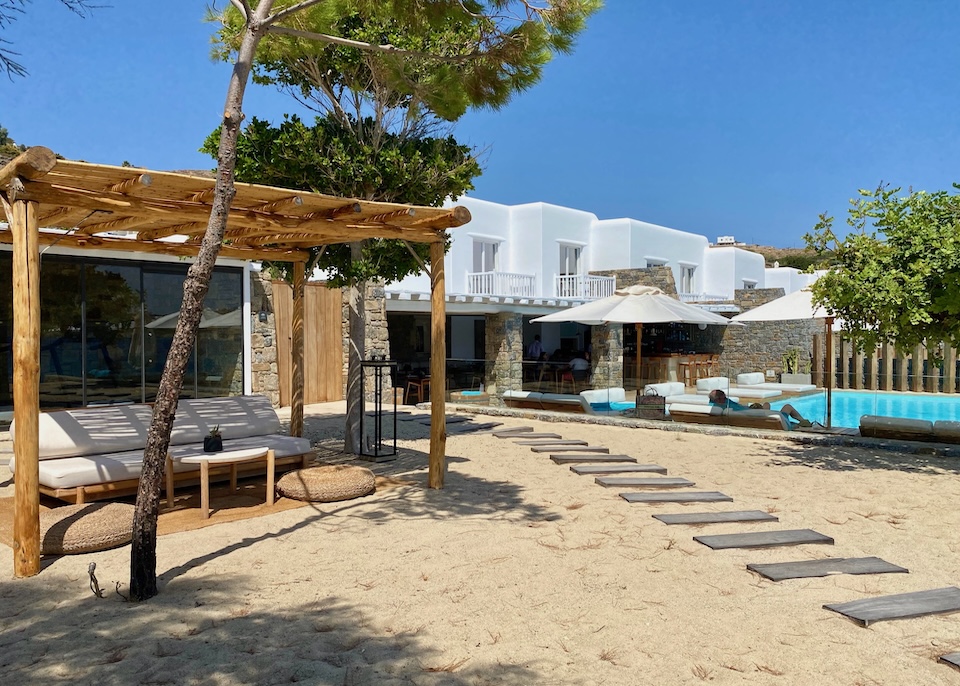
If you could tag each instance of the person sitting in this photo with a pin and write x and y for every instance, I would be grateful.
(534, 349)
(580, 366)
(720, 399)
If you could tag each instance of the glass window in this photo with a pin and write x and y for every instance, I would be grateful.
(61, 329)
(485, 256)
(569, 260)
(686, 279)
(220, 339)
(112, 333)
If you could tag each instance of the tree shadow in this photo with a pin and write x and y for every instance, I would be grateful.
(851, 458)
(202, 631)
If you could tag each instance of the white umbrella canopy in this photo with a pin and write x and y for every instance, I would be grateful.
(635, 305)
(799, 306)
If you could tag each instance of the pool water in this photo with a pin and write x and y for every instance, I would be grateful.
(849, 406)
(612, 408)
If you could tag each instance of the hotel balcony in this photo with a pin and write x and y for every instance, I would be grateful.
(584, 287)
(702, 297)
(501, 284)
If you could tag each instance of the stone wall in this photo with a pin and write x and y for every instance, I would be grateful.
(661, 277)
(606, 356)
(760, 346)
(504, 354)
(263, 339)
(376, 336)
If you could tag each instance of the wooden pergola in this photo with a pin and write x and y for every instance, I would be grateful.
(91, 206)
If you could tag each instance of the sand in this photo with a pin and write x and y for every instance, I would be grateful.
(517, 572)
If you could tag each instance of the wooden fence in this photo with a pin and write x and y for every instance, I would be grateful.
(887, 368)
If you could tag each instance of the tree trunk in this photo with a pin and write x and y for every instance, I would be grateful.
(143, 555)
(355, 354)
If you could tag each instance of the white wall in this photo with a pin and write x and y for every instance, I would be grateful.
(726, 269)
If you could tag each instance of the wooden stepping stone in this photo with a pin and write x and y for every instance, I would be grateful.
(472, 428)
(534, 435)
(695, 497)
(617, 468)
(901, 606)
(567, 459)
(835, 565)
(569, 448)
(952, 659)
(763, 539)
(554, 441)
(642, 482)
(509, 433)
(716, 517)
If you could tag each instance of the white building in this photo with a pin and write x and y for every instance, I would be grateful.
(536, 258)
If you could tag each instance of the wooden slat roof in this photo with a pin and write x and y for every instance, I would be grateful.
(167, 212)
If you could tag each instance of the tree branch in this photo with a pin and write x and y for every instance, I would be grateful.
(283, 14)
(360, 45)
(417, 257)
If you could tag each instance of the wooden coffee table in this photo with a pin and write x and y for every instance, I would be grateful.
(231, 458)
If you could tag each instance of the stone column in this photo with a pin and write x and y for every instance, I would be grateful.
(263, 342)
(504, 368)
(606, 356)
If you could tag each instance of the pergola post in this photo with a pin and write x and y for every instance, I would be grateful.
(26, 387)
(438, 367)
(296, 400)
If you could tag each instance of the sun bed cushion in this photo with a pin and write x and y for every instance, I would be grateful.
(704, 386)
(750, 379)
(666, 388)
(711, 414)
(691, 399)
(756, 392)
(897, 428)
(946, 431)
(782, 387)
(577, 403)
(605, 395)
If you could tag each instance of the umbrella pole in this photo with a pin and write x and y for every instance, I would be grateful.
(829, 382)
(639, 338)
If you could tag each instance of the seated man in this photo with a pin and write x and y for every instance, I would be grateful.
(719, 398)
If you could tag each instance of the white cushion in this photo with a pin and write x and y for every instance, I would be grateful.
(605, 395)
(522, 395)
(237, 416)
(91, 431)
(695, 409)
(712, 383)
(665, 388)
(750, 379)
(756, 392)
(691, 399)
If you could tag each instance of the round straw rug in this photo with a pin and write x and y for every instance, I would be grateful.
(85, 528)
(327, 484)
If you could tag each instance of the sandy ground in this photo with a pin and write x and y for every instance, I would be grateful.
(517, 572)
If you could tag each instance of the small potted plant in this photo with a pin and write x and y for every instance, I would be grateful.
(213, 443)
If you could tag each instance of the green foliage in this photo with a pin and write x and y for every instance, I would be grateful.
(331, 158)
(8, 146)
(448, 55)
(896, 276)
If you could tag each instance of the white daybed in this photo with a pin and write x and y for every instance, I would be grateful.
(704, 386)
(674, 392)
(97, 452)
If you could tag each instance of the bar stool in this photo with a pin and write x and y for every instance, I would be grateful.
(566, 377)
(688, 370)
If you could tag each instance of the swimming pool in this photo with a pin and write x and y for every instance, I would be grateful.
(849, 406)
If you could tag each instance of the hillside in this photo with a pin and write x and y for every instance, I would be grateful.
(801, 258)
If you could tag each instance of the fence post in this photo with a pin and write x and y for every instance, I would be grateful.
(916, 380)
(949, 368)
(887, 378)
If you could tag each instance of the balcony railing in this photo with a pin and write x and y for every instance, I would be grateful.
(702, 297)
(501, 283)
(584, 287)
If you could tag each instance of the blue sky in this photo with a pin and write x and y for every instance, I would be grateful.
(736, 117)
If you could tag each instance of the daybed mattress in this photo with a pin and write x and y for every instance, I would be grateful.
(691, 399)
(782, 387)
(755, 392)
(70, 472)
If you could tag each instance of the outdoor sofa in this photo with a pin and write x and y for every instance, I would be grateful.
(557, 402)
(97, 452)
(675, 392)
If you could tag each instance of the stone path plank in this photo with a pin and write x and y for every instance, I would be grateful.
(717, 517)
(952, 659)
(643, 482)
(553, 441)
(510, 432)
(595, 458)
(763, 539)
(694, 497)
(472, 428)
(806, 569)
(531, 436)
(569, 449)
(617, 468)
(901, 606)
(450, 419)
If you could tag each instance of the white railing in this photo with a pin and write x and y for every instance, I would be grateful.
(501, 283)
(585, 287)
(701, 297)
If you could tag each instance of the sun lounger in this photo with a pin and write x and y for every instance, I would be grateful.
(756, 380)
(558, 402)
(896, 428)
(711, 414)
(675, 392)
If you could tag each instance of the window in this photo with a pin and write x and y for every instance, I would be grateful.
(570, 259)
(686, 279)
(749, 284)
(485, 256)
(651, 262)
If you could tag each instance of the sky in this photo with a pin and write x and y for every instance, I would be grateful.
(732, 117)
